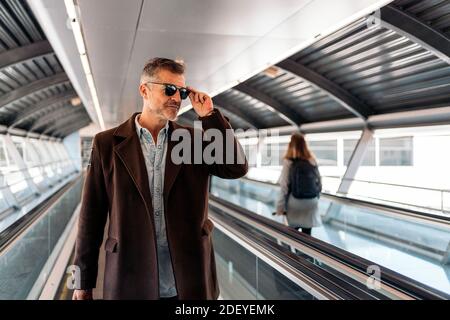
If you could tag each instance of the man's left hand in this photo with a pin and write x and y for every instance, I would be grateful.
(201, 102)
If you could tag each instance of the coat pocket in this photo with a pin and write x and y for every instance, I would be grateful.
(208, 227)
(111, 245)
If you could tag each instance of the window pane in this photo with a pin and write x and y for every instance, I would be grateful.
(3, 160)
(272, 154)
(396, 151)
(325, 152)
(86, 147)
(19, 146)
(369, 157)
(282, 148)
(250, 151)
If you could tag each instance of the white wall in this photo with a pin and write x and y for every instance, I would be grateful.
(72, 144)
(430, 169)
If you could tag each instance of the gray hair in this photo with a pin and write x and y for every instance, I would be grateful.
(153, 66)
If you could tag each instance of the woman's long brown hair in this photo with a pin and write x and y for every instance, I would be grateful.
(298, 148)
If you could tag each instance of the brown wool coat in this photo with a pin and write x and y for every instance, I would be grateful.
(116, 188)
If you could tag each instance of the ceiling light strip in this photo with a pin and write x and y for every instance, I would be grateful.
(78, 34)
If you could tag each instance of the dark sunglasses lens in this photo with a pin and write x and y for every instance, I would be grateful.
(184, 93)
(170, 90)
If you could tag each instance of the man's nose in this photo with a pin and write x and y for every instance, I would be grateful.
(175, 99)
(177, 96)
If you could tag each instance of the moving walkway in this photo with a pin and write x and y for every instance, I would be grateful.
(258, 258)
(411, 243)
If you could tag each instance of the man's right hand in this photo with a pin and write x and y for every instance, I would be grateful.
(82, 295)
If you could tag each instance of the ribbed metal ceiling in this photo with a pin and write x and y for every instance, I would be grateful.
(359, 71)
(435, 13)
(32, 80)
(386, 71)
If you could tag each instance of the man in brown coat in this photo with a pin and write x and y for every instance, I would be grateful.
(159, 236)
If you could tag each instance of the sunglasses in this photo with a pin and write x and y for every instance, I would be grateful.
(171, 89)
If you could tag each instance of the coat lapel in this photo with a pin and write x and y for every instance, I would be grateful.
(130, 153)
(172, 169)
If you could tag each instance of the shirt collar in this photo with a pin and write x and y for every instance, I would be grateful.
(141, 130)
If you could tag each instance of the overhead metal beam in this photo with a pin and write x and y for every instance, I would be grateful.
(286, 113)
(53, 116)
(244, 116)
(334, 91)
(68, 119)
(423, 117)
(188, 116)
(235, 116)
(72, 128)
(63, 119)
(22, 54)
(355, 161)
(62, 132)
(184, 121)
(415, 30)
(42, 106)
(426, 117)
(35, 86)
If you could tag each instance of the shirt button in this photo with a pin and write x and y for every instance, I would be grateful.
(157, 190)
(157, 213)
(159, 147)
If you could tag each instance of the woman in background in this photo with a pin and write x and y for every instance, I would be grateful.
(300, 185)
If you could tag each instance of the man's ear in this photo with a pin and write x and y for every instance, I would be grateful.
(144, 91)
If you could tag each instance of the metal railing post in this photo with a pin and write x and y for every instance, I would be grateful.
(355, 160)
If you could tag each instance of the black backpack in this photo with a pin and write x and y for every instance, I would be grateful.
(304, 180)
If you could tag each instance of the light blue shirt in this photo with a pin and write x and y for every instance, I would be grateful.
(155, 161)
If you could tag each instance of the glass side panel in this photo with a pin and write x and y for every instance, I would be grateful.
(243, 276)
(22, 263)
(413, 248)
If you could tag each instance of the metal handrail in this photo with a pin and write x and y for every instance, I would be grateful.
(8, 185)
(387, 183)
(384, 206)
(435, 208)
(14, 230)
(321, 283)
(27, 178)
(37, 166)
(391, 278)
(41, 166)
